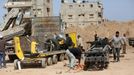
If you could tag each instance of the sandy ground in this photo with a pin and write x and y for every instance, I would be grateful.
(124, 67)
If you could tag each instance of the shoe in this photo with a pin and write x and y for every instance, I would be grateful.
(118, 60)
(123, 53)
(4, 67)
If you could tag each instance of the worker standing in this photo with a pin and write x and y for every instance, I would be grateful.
(96, 37)
(79, 41)
(116, 44)
(80, 45)
(124, 39)
(2, 53)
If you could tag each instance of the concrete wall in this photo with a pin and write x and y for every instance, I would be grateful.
(42, 8)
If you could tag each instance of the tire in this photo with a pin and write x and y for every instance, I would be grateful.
(55, 59)
(61, 58)
(49, 61)
(43, 63)
(106, 66)
(86, 66)
(15, 64)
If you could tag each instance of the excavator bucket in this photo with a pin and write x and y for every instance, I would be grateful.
(73, 36)
(18, 49)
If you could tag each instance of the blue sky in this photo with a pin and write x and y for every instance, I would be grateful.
(119, 9)
(113, 9)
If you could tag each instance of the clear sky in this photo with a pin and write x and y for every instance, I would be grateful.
(113, 9)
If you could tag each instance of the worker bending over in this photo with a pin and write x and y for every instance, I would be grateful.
(73, 55)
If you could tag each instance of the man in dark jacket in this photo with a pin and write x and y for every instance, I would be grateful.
(73, 54)
(69, 41)
(76, 52)
(2, 52)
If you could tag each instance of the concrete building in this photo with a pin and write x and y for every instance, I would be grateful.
(40, 8)
(81, 12)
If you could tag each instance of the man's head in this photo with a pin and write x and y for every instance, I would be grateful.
(78, 36)
(55, 33)
(45, 35)
(67, 35)
(95, 35)
(124, 35)
(117, 34)
(81, 48)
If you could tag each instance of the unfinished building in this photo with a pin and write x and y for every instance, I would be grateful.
(81, 12)
(40, 8)
(37, 14)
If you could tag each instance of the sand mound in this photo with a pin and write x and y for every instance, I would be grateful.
(105, 30)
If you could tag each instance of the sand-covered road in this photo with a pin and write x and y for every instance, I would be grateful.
(124, 67)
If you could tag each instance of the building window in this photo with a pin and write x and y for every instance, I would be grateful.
(98, 3)
(74, 1)
(83, 1)
(70, 16)
(70, 6)
(39, 11)
(91, 5)
(91, 23)
(62, 1)
(48, 1)
(48, 9)
(81, 15)
(99, 22)
(99, 14)
(70, 25)
(99, 6)
(83, 5)
(91, 15)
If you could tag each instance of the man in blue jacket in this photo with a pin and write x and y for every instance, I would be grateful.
(2, 52)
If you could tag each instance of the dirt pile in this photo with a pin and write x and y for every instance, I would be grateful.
(105, 30)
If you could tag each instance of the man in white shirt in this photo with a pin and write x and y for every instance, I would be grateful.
(79, 41)
(124, 39)
(117, 44)
(80, 45)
